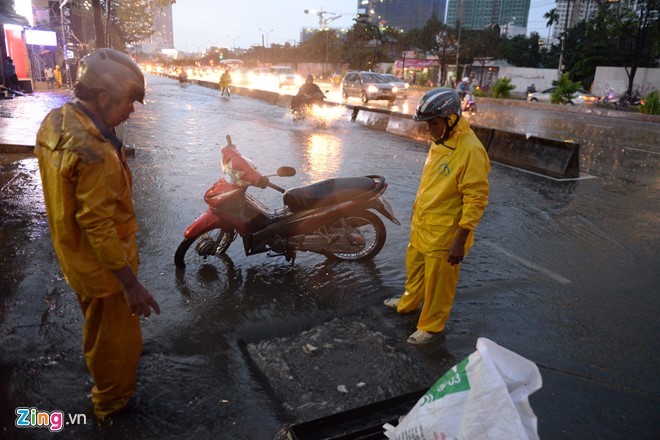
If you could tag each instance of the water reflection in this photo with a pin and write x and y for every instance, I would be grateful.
(323, 156)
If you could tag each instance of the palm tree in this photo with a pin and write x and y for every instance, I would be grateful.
(553, 17)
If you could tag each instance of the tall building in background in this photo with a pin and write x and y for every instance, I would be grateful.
(163, 27)
(479, 14)
(163, 36)
(403, 14)
(577, 10)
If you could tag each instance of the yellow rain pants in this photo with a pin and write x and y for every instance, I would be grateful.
(431, 279)
(112, 344)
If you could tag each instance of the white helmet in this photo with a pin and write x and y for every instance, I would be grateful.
(466, 79)
(114, 72)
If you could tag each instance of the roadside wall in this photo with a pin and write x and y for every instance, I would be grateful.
(646, 80)
(522, 77)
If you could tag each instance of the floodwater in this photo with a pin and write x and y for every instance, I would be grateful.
(563, 273)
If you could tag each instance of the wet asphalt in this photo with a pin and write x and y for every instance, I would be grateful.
(563, 273)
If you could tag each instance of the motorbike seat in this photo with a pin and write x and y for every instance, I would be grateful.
(327, 192)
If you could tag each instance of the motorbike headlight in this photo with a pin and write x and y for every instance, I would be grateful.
(395, 89)
(407, 85)
(372, 89)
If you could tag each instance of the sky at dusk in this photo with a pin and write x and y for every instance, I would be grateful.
(199, 24)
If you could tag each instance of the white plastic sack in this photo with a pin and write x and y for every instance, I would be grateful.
(485, 396)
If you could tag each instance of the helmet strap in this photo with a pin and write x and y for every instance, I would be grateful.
(449, 127)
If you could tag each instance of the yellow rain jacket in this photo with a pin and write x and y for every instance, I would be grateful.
(87, 190)
(453, 191)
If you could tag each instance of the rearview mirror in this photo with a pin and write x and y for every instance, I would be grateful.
(286, 171)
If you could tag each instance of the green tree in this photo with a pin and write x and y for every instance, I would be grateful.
(438, 39)
(502, 88)
(553, 18)
(126, 21)
(323, 46)
(564, 91)
(480, 46)
(363, 45)
(620, 34)
(522, 51)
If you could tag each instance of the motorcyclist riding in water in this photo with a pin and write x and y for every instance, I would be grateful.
(307, 92)
(225, 82)
(464, 87)
(183, 76)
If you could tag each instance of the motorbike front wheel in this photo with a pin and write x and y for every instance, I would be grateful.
(213, 243)
(372, 229)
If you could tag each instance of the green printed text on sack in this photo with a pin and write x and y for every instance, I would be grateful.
(453, 381)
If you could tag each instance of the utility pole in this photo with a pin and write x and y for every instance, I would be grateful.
(563, 40)
(458, 43)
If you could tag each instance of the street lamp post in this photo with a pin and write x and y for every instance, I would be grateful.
(263, 32)
(233, 42)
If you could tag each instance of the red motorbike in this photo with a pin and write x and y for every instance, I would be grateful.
(333, 217)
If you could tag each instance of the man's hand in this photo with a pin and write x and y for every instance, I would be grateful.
(263, 182)
(139, 299)
(457, 248)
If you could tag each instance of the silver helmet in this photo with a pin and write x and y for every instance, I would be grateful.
(441, 103)
(114, 72)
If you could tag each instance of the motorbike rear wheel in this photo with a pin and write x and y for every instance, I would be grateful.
(212, 243)
(372, 229)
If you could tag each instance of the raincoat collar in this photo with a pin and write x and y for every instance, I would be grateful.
(105, 131)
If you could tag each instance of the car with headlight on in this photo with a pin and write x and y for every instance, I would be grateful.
(401, 85)
(581, 97)
(367, 86)
(285, 76)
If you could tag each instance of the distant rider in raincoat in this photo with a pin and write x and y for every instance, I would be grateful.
(307, 91)
(87, 191)
(225, 82)
(452, 197)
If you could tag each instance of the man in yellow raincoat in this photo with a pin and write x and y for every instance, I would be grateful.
(87, 191)
(225, 82)
(57, 75)
(452, 197)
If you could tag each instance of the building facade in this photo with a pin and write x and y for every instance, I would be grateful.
(479, 14)
(163, 36)
(402, 14)
(570, 13)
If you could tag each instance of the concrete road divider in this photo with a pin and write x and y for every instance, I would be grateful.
(551, 157)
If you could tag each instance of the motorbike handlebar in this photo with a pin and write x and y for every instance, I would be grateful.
(277, 188)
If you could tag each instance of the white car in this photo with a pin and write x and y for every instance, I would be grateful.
(285, 76)
(580, 97)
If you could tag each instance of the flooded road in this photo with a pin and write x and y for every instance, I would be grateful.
(563, 273)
